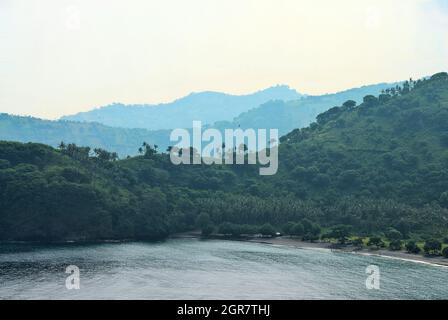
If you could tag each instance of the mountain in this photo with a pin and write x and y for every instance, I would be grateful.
(208, 107)
(377, 169)
(94, 135)
(285, 116)
(288, 115)
(389, 153)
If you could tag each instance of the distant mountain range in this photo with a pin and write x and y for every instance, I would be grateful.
(207, 107)
(124, 141)
(284, 115)
(288, 115)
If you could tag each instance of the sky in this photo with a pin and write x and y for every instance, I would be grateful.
(60, 57)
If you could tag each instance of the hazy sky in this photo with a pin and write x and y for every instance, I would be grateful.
(59, 57)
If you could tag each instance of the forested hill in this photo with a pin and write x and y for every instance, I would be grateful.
(289, 115)
(391, 146)
(375, 167)
(123, 141)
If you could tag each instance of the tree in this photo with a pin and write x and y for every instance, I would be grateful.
(395, 245)
(247, 229)
(440, 76)
(445, 252)
(287, 227)
(267, 230)
(203, 220)
(104, 155)
(208, 230)
(226, 228)
(393, 234)
(412, 247)
(297, 229)
(341, 233)
(358, 242)
(432, 247)
(370, 101)
(349, 104)
(444, 199)
(149, 151)
(376, 242)
(383, 98)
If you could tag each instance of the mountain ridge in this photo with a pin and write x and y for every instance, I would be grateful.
(207, 106)
(281, 115)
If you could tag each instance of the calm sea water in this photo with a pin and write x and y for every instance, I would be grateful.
(195, 269)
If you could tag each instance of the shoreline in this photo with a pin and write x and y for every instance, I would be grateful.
(299, 244)
(399, 255)
(276, 241)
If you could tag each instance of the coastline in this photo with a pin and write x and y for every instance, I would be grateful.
(276, 241)
(400, 255)
(299, 244)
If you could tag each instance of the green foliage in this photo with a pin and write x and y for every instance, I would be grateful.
(395, 245)
(203, 220)
(412, 247)
(445, 252)
(393, 234)
(208, 230)
(432, 247)
(297, 230)
(376, 242)
(340, 232)
(267, 230)
(226, 228)
(358, 242)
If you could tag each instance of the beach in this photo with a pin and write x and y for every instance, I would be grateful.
(297, 243)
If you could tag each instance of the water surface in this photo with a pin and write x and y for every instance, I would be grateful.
(195, 269)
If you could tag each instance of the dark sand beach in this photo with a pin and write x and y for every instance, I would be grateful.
(297, 243)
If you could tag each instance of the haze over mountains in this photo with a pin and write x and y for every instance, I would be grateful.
(207, 106)
(288, 115)
(278, 107)
(124, 141)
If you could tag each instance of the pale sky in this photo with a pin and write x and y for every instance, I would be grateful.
(60, 57)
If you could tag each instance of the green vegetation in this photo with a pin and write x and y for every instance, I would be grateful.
(445, 252)
(358, 242)
(395, 245)
(340, 232)
(432, 247)
(95, 135)
(378, 170)
(376, 243)
(412, 247)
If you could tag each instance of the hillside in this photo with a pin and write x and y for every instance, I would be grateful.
(289, 115)
(372, 167)
(285, 116)
(121, 140)
(208, 107)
